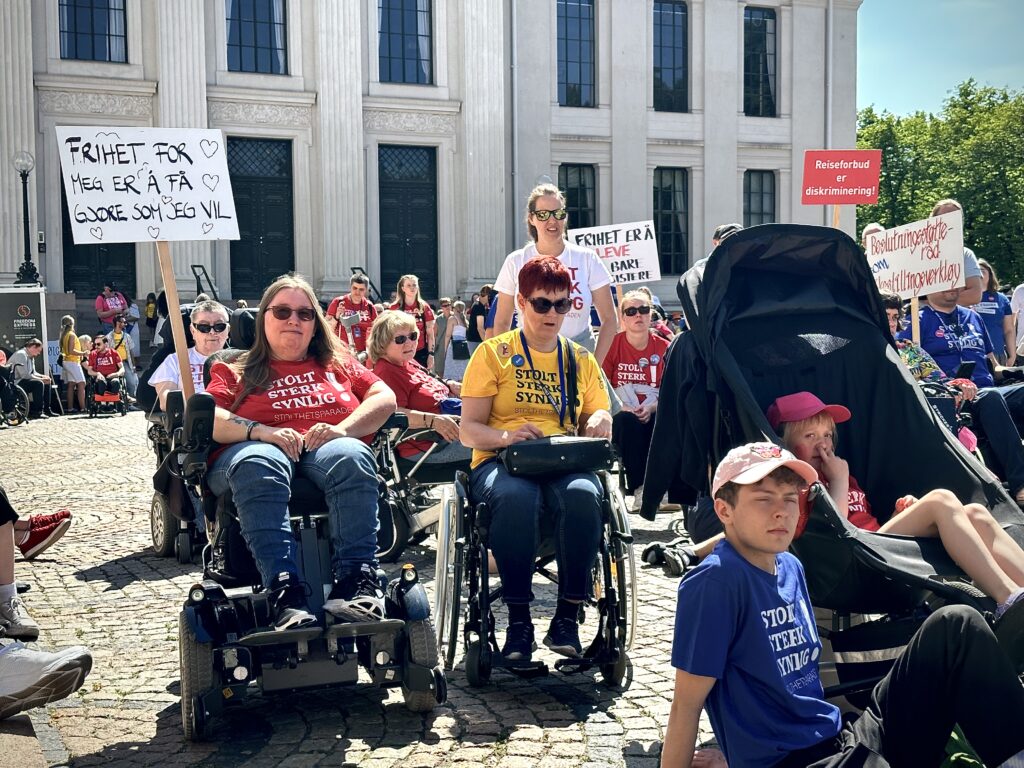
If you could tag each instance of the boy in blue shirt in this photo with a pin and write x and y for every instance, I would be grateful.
(746, 648)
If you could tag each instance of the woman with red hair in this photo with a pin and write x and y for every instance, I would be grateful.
(515, 389)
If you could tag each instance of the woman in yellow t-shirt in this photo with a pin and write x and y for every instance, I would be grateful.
(514, 390)
(72, 365)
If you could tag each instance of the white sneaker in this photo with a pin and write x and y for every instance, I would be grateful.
(638, 499)
(16, 622)
(34, 678)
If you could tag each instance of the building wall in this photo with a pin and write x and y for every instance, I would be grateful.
(492, 114)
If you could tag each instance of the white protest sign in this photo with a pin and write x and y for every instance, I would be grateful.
(630, 251)
(129, 185)
(920, 258)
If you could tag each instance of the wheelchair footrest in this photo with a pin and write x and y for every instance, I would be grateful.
(363, 629)
(280, 637)
(571, 666)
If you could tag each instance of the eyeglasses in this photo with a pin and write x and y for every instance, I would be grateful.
(99, 341)
(542, 306)
(633, 311)
(215, 327)
(404, 337)
(281, 312)
(543, 215)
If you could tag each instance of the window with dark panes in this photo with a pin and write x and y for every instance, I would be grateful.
(257, 36)
(576, 53)
(672, 219)
(405, 47)
(760, 92)
(93, 30)
(758, 198)
(577, 182)
(670, 57)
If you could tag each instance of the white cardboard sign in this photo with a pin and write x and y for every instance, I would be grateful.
(129, 185)
(923, 257)
(630, 251)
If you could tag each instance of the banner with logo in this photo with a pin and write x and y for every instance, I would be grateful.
(22, 315)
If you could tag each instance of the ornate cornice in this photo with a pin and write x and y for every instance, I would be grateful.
(248, 113)
(393, 121)
(95, 103)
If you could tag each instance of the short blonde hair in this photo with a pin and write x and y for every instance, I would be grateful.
(384, 330)
(637, 294)
(823, 418)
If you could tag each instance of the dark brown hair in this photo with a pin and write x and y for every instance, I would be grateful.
(730, 492)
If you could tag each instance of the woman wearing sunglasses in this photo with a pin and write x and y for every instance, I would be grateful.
(209, 321)
(634, 366)
(514, 390)
(547, 222)
(429, 402)
(298, 403)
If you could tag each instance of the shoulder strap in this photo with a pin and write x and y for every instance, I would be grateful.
(572, 385)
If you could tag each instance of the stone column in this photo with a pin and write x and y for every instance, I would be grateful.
(181, 103)
(485, 192)
(17, 133)
(723, 105)
(340, 143)
(630, 65)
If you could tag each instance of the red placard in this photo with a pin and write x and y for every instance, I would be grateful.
(841, 176)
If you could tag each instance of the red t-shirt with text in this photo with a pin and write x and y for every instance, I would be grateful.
(625, 364)
(300, 394)
(414, 389)
(105, 361)
(367, 314)
(857, 504)
(423, 316)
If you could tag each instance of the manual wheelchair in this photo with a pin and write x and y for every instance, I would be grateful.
(463, 564)
(226, 645)
(109, 402)
(14, 403)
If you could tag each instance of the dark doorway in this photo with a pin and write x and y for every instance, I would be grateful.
(88, 266)
(261, 180)
(408, 216)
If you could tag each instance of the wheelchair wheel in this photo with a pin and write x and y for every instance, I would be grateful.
(18, 412)
(196, 679)
(183, 547)
(614, 674)
(478, 663)
(448, 576)
(625, 564)
(422, 651)
(163, 526)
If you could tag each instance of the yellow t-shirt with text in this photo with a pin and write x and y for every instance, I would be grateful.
(501, 370)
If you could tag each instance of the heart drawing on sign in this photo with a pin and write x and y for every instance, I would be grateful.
(154, 232)
(211, 180)
(97, 232)
(209, 147)
(166, 199)
(207, 226)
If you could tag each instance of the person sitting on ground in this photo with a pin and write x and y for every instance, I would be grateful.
(515, 390)
(634, 367)
(298, 402)
(105, 367)
(421, 396)
(746, 648)
(210, 326)
(23, 365)
(73, 353)
(121, 342)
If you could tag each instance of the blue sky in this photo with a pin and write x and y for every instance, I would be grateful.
(912, 53)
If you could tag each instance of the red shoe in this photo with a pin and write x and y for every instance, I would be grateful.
(42, 521)
(42, 538)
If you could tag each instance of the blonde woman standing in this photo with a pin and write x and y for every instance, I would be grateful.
(71, 349)
(457, 348)
(408, 300)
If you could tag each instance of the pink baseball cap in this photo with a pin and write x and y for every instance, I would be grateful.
(755, 461)
(803, 405)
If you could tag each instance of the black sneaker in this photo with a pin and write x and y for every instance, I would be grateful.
(357, 596)
(564, 637)
(519, 643)
(288, 603)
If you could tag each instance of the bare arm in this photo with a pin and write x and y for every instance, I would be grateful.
(431, 329)
(503, 314)
(681, 734)
(162, 388)
(371, 413)
(229, 428)
(474, 432)
(605, 305)
(1009, 335)
(479, 319)
(971, 292)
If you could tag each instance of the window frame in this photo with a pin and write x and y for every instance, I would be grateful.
(760, 89)
(403, 35)
(748, 213)
(563, 65)
(658, 47)
(256, 47)
(676, 259)
(90, 5)
(572, 194)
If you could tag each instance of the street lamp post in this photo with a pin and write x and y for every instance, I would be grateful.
(23, 164)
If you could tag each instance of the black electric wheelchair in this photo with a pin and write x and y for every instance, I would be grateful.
(14, 402)
(464, 590)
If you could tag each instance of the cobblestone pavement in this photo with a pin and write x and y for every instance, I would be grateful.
(103, 587)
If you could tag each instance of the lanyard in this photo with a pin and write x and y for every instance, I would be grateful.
(956, 335)
(561, 380)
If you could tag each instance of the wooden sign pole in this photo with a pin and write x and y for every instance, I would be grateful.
(915, 320)
(835, 217)
(174, 317)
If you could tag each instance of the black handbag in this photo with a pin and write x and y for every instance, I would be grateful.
(460, 349)
(559, 454)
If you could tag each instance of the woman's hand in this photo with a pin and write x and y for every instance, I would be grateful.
(967, 388)
(599, 425)
(834, 468)
(646, 411)
(285, 438)
(526, 432)
(447, 427)
(903, 502)
(321, 433)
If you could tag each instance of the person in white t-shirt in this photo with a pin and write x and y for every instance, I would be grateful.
(210, 330)
(547, 222)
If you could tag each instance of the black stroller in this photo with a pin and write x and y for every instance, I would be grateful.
(783, 308)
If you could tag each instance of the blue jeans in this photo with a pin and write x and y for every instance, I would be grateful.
(991, 412)
(259, 476)
(517, 505)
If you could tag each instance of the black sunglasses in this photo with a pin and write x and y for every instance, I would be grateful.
(404, 337)
(281, 312)
(543, 215)
(542, 306)
(632, 311)
(216, 327)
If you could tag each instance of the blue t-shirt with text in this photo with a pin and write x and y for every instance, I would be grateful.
(754, 633)
(953, 338)
(993, 307)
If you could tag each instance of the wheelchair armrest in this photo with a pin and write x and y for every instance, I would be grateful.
(396, 421)
(197, 436)
(175, 410)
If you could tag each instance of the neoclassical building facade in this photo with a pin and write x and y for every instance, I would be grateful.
(400, 136)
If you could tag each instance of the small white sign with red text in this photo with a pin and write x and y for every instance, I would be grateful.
(630, 251)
